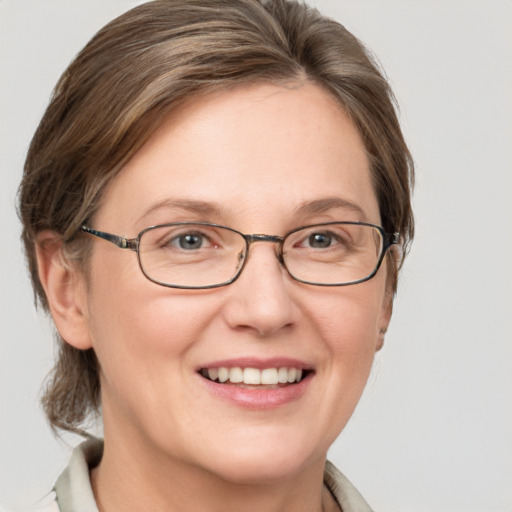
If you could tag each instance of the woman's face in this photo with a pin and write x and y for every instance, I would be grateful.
(259, 159)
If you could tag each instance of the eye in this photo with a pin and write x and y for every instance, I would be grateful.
(189, 241)
(320, 240)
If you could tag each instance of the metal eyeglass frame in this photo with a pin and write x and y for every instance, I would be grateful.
(132, 244)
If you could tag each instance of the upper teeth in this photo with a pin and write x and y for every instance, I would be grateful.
(238, 375)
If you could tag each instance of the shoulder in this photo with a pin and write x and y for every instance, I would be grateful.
(347, 496)
(73, 487)
(47, 504)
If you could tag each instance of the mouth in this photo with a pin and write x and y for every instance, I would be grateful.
(257, 384)
(249, 377)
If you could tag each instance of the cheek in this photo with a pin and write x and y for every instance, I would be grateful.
(145, 350)
(352, 344)
(136, 325)
(348, 319)
(349, 325)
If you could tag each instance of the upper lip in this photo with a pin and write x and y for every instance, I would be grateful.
(259, 363)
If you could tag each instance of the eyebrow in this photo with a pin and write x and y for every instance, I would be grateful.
(205, 208)
(328, 203)
(210, 209)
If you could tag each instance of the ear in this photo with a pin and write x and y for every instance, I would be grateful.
(385, 318)
(65, 290)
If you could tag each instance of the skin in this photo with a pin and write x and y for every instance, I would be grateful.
(259, 153)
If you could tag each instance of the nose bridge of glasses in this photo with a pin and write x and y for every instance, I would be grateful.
(263, 238)
(274, 239)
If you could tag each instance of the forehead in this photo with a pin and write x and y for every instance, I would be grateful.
(256, 149)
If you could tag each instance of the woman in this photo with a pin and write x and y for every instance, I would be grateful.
(215, 207)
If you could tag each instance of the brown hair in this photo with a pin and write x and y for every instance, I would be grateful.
(146, 63)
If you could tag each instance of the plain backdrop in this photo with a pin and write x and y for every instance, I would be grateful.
(433, 431)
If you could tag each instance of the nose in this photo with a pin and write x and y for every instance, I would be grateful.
(260, 301)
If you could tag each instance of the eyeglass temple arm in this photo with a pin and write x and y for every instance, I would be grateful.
(391, 239)
(121, 241)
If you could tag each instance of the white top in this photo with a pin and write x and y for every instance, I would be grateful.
(73, 492)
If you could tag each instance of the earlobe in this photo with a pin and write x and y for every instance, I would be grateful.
(387, 310)
(65, 290)
(380, 339)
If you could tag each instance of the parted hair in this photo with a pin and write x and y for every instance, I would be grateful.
(136, 71)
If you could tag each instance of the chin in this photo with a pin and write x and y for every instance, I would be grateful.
(264, 460)
(259, 471)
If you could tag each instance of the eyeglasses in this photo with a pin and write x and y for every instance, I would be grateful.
(202, 255)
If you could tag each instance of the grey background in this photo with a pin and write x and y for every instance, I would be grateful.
(434, 429)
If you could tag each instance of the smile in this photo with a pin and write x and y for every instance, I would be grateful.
(254, 376)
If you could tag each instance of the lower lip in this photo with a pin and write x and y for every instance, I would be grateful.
(258, 398)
